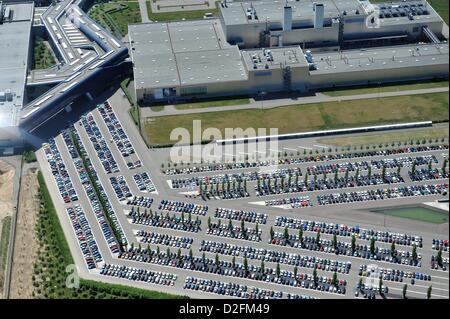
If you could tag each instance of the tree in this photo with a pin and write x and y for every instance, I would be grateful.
(346, 174)
(383, 173)
(230, 224)
(257, 228)
(335, 241)
(318, 236)
(209, 221)
(262, 267)
(405, 289)
(372, 245)
(399, 169)
(353, 243)
(439, 257)
(278, 270)
(295, 272)
(217, 259)
(429, 292)
(233, 262)
(369, 172)
(191, 255)
(380, 286)
(203, 258)
(413, 168)
(245, 265)
(430, 165)
(300, 234)
(444, 166)
(286, 233)
(335, 279)
(272, 233)
(393, 248)
(414, 252)
(315, 274)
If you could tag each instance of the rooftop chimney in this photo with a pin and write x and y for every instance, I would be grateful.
(319, 11)
(287, 17)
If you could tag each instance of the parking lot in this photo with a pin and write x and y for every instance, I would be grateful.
(300, 230)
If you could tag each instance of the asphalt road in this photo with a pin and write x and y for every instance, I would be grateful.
(273, 103)
(351, 214)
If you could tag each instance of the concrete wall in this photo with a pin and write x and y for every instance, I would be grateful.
(379, 76)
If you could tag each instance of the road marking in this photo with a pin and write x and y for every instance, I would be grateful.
(321, 146)
(289, 149)
(304, 147)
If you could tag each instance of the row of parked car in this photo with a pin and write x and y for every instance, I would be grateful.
(138, 274)
(381, 194)
(305, 159)
(436, 264)
(59, 172)
(140, 201)
(164, 221)
(375, 163)
(388, 274)
(345, 249)
(112, 218)
(237, 270)
(179, 206)
(230, 289)
(96, 207)
(246, 216)
(425, 174)
(293, 202)
(348, 231)
(99, 143)
(242, 176)
(281, 257)
(83, 232)
(163, 239)
(235, 232)
(143, 182)
(440, 244)
(118, 134)
(70, 145)
(120, 186)
(266, 188)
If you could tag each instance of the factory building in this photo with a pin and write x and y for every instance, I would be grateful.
(271, 46)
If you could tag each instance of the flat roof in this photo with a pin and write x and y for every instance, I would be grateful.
(381, 58)
(236, 12)
(14, 48)
(260, 59)
(183, 53)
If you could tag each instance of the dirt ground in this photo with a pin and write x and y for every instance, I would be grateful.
(25, 249)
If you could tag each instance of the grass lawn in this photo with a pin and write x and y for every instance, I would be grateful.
(179, 15)
(116, 15)
(417, 213)
(429, 133)
(385, 88)
(212, 103)
(43, 57)
(309, 117)
(49, 273)
(4, 240)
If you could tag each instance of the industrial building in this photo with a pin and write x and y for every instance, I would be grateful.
(90, 62)
(295, 45)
